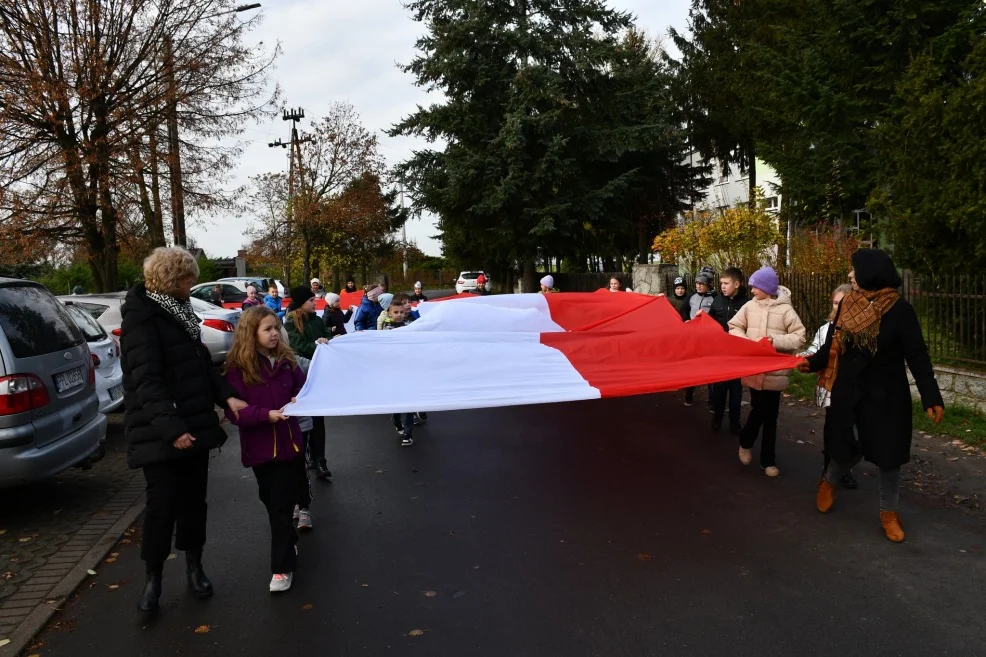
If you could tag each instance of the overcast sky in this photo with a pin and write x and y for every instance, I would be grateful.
(348, 51)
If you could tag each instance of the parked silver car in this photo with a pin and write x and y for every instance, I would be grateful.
(105, 354)
(217, 324)
(49, 412)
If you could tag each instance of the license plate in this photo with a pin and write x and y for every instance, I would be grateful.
(68, 380)
(116, 392)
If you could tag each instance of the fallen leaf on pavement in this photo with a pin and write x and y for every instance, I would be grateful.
(2, 532)
(202, 629)
(172, 556)
(380, 471)
(111, 560)
(113, 587)
(4, 642)
(643, 557)
(308, 606)
(416, 633)
(431, 594)
(24, 539)
(9, 575)
(365, 586)
(91, 572)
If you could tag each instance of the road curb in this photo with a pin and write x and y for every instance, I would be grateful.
(38, 619)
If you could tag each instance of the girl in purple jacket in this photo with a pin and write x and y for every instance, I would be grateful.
(263, 370)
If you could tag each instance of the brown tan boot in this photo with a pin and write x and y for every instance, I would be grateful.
(891, 526)
(826, 496)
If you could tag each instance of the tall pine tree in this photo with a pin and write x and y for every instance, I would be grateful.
(540, 121)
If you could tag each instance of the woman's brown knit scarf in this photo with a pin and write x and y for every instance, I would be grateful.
(858, 325)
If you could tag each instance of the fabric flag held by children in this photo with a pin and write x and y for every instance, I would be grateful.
(507, 350)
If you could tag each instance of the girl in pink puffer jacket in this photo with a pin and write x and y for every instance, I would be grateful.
(768, 316)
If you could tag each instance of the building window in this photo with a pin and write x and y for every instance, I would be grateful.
(770, 203)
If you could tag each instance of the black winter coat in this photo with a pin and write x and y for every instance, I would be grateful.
(335, 320)
(872, 393)
(725, 308)
(170, 385)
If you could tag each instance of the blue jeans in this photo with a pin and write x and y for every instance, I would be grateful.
(734, 390)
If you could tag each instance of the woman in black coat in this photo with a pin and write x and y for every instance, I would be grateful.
(170, 392)
(862, 364)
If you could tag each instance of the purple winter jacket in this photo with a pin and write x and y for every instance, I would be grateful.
(261, 441)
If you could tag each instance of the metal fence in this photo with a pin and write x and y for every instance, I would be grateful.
(952, 312)
(951, 309)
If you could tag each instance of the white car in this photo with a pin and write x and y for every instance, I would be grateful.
(104, 351)
(217, 324)
(467, 281)
(265, 283)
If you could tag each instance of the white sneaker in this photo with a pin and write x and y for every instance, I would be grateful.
(281, 582)
(305, 519)
(297, 512)
(745, 456)
(407, 442)
(772, 471)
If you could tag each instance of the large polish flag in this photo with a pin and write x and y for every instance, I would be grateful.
(508, 350)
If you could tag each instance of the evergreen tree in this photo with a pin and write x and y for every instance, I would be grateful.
(933, 144)
(539, 125)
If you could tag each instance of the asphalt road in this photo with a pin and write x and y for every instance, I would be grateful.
(611, 528)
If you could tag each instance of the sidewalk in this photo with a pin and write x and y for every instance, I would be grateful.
(52, 533)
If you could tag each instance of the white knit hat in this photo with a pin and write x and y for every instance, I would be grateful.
(331, 298)
(417, 285)
(548, 281)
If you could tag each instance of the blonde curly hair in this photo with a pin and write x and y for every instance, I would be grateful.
(167, 268)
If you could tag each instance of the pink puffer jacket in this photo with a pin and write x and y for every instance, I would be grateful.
(775, 318)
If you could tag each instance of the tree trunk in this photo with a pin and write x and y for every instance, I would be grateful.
(155, 229)
(643, 248)
(752, 170)
(530, 283)
(157, 235)
(306, 257)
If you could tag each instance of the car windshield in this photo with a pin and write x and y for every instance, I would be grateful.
(200, 306)
(471, 275)
(34, 322)
(89, 327)
(95, 310)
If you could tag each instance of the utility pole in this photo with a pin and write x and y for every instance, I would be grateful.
(294, 115)
(174, 143)
(404, 232)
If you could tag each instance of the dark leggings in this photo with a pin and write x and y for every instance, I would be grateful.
(889, 482)
(765, 405)
(277, 486)
(316, 444)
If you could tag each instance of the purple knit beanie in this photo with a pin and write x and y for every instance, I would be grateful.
(765, 279)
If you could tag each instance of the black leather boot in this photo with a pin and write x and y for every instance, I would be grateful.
(152, 592)
(197, 581)
(322, 469)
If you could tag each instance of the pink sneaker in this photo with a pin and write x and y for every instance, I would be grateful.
(281, 582)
